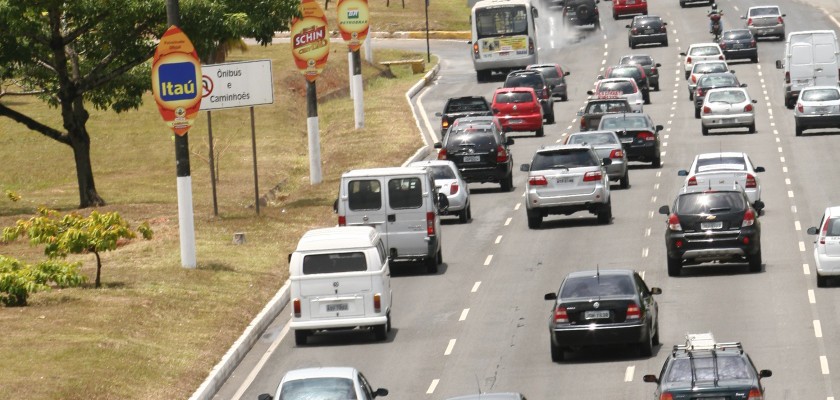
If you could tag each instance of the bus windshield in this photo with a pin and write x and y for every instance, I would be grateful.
(501, 21)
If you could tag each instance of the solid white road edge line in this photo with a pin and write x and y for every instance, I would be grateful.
(258, 368)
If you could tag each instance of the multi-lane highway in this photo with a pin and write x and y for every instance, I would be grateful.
(480, 324)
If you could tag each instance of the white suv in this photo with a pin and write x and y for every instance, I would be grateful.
(827, 245)
(565, 179)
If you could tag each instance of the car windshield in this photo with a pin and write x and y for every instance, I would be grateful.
(727, 96)
(721, 163)
(548, 71)
(704, 51)
(514, 97)
(728, 368)
(624, 122)
(717, 81)
(594, 139)
(602, 285)
(467, 105)
(709, 203)
(603, 107)
(442, 172)
(737, 35)
(559, 159)
(318, 388)
(764, 12)
(622, 87)
(529, 80)
(641, 60)
(625, 73)
(705, 68)
(820, 95)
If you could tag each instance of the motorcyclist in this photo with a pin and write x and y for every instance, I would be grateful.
(715, 11)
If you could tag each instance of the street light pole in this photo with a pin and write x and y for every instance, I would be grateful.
(428, 51)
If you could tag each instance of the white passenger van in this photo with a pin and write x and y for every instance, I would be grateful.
(504, 36)
(811, 59)
(340, 280)
(402, 204)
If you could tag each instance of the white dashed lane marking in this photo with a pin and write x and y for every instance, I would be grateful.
(806, 269)
(787, 181)
(817, 328)
(801, 246)
(507, 221)
(449, 347)
(464, 314)
(475, 287)
(811, 298)
(790, 193)
(824, 365)
(645, 252)
(517, 206)
(628, 375)
(432, 386)
(488, 259)
(797, 225)
(647, 232)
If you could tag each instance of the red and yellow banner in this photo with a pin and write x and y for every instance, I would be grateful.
(353, 22)
(176, 80)
(310, 40)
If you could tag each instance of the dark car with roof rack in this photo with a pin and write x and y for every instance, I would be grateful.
(465, 106)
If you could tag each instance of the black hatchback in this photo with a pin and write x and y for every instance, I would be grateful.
(480, 151)
(737, 44)
(534, 79)
(647, 29)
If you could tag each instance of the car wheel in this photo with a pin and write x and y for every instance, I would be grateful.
(625, 180)
(631, 44)
(463, 216)
(615, 16)
(657, 162)
(697, 112)
(605, 214)
(549, 119)
(380, 332)
(665, 43)
(799, 130)
(752, 127)
(564, 98)
(674, 266)
(789, 103)
(300, 337)
(534, 219)
(507, 183)
(647, 98)
(469, 212)
(541, 132)
(557, 353)
(656, 88)
(646, 346)
(704, 130)
(388, 323)
(822, 281)
(656, 335)
(433, 262)
(690, 94)
(754, 60)
(755, 261)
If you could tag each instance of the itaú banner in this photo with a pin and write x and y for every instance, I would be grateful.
(236, 84)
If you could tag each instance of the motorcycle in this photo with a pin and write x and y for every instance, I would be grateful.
(716, 25)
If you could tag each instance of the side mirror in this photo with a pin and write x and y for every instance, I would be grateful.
(496, 111)
(469, 41)
(525, 167)
(659, 128)
(590, 92)
(779, 64)
(682, 172)
(759, 205)
(335, 206)
(765, 373)
(682, 53)
(567, 73)
(664, 24)
(509, 141)
(655, 290)
(650, 379)
(784, 15)
(438, 145)
(664, 210)
(443, 202)
(658, 65)
(743, 17)
(627, 26)
(755, 101)
(552, 87)
(759, 169)
(579, 113)
(550, 296)
(732, 71)
(743, 85)
(534, 12)
(812, 230)
(438, 114)
(380, 392)
(599, 77)
(264, 396)
(606, 161)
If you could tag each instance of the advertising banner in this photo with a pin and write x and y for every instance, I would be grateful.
(353, 22)
(176, 80)
(310, 40)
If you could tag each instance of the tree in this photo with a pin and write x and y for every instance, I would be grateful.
(19, 280)
(74, 234)
(73, 54)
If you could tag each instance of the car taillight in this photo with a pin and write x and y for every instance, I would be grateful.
(748, 108)
(544, 92)
(633, 312)
(617, 153)
(582, 124)
(501, 155)
(749, 21)
(824, 232)
(720, 57)
(475, 50)
(377, 303)
(722, 45)
(634, 31)
(592, 176)
(750, 181)
(538, 180)
(752, 43)
(430, 223)
(707, 110)
(693, 78)
(652, 70)
(698, 92)
(444, 123)
(688, 60)
(342, 220)
(646, 136)
(453, 188)
(530, 46)
(662, 29)
(749, 218)
(800, 108)
(674, 223)
(692, 181)
(787, 77)
(296, 307)
(442, 154)
(755, 394)
(780, 20)
(666, 396)
(560, 315)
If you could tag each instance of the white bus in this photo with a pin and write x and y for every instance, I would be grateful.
(504, 36)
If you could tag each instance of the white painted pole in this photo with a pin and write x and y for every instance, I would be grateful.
(368, 50)
(350, 70)
(314, 150)
(186, 223)
(359, 101)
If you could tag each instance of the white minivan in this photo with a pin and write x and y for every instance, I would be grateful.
(340, 280)
(811, 59)
(402, 203)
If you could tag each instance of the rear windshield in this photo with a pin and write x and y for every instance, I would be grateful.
(364, 195)
(821, 95)
(529, 80)
(604, 285)
(442, 172)
(334, 263)
(625, 122)
(501, 21)
(641, 60)
(473, 138)
(727, 96)
(704, 51)
(623, 87)
(721, 163)
(647, 21)
(603, 107)
(572, 158)
(737, 35)
(318, 388)
(706, 68)
(709, 203)
(405, 193)
(467, 105)
(625, 73)
(548, 71)
(717, 81)
(594, 139)
(833, 228)
(764, 11)
(728, 368)
(514, 97)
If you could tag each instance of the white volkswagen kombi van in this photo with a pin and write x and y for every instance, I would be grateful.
(402, 204)
(340, 280)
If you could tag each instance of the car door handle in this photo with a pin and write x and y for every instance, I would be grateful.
(392, 217)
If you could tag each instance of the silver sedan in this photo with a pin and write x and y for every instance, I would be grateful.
(606, 145)
(727, 108)
(817, 107)
(765, 21)
(448, 181)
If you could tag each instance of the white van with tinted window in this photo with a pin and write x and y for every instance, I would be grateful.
(340, 279)
(402, 204)
(811, 59)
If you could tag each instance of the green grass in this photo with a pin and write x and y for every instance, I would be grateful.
(444, 15)
(155, 329)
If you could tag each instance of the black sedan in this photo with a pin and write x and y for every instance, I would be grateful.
(638, 135)
(739, 44)
(603, 307)
(647, 29)
(650, 67)
(458, 107)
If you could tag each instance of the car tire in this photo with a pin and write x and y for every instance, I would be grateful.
(507, 183)
(631, 44)
(646, 346)
(696, 112)
(665, 43)
(605, 214)
(469, 212)
(433, 262)
(674, 266)
(541, 132)
(388, 322)
(656, 88)
(300, 337)
(682, 4)
(464, 215)
(549, 119)
(690, 94)
(752, 128)
(557, 353)
(655, 338)
(755, 261)
(646, 98)
(564, 98)
(754, 60)
(534, 219)
(704, 130)
(789, 103)
(657, 162)
(615, 16)
(799, 130)
(625, 180)
(822, 281)
(380, 332)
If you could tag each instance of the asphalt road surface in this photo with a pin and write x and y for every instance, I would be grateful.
(480, 324)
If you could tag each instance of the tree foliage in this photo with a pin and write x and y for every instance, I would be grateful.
(72, 54)
(19, 280)
(74, 234)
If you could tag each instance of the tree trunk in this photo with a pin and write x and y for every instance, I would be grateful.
(98, 269)
(75, 117)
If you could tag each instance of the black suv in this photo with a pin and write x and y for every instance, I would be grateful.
(703, 369)
(712, 225)
(480, 151)
(581, 12)
(647, 63)
(534, 79)
(638, 135)
(467, 106)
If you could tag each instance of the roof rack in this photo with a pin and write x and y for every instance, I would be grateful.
(705, 341)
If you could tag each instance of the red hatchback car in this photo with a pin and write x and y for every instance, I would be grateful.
(518, 109)
(628, 7)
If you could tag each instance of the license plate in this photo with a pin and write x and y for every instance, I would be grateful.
(626, 140)
(631, 1)
(648, 31)
(711, 225)
(737, 46)
(565, 180)
(472, 158)
(603, 314)
(338, 307)
(515, 121)
(802, 81)
(822, 110)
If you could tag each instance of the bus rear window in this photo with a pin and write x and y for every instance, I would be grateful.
(501, 21)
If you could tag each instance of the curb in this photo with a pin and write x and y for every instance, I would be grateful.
(225, 367)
